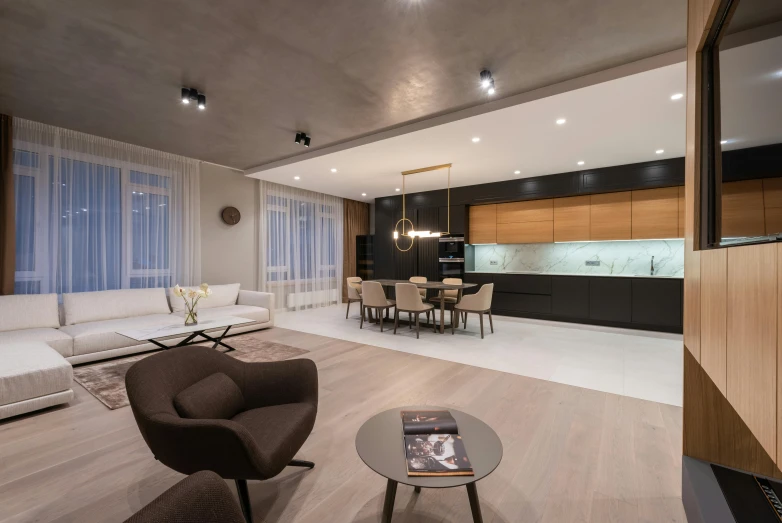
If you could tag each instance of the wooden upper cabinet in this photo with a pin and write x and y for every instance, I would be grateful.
(610, 216)
(483, 224)
(742, 209)
(681, 212)
(528, 211)
(526, 232)
(655, 213)
(772, 201)
(571, 219)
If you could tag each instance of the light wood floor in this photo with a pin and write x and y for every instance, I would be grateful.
(571, 454)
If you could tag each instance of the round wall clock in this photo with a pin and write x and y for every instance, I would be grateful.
(231, 215)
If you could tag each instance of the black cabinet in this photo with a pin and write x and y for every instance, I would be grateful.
(657, 302)
(458, 219)
(522, 283)
(512, 302)
(570, 296)
(610, 299)
(479, 278)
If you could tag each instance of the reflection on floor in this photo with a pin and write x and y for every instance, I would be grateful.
(637, 364)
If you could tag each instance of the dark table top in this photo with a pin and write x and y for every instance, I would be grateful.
(380, 445)
(428, 285)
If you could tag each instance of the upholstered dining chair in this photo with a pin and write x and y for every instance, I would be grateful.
(422, 292)
(450, 297)
(479, 303)
(199, 409)
(354, 292)
(408, 300)
(203, 497)
(373, 297)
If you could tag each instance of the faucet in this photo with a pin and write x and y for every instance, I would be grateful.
(651, 270)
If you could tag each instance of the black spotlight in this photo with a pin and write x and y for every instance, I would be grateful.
(185, 95)
(486, 80)
(306, 141)
(202, 101)
(299, 138)
(193, 95)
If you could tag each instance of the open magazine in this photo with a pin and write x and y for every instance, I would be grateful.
(433, 446)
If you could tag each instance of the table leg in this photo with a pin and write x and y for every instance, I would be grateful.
(442, 311)
(219, 341)
(458, 299)
(475, 505)
(417, 490)
(388, 504)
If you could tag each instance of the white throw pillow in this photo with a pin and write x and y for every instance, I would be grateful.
(222, 296)
(83, 307)
(28, 311)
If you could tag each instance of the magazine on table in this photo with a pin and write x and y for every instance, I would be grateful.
(433, 446)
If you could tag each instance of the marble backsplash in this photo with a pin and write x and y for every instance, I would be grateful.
(615, 257)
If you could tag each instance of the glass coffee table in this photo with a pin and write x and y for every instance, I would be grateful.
(380, 445)
(160, 333)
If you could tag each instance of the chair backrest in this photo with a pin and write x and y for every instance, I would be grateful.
(372, 294)
(408, 298)
(354, 287)
(452, 281)
(480, 301)
(419, 279)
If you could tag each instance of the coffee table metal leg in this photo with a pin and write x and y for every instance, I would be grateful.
(475, 504)
(388, 504)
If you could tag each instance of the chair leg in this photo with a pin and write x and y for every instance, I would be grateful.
(480, 314)
(244, 499)
(396, 319)
(434, 324)
(464, 321)
(380, 313)
(491, 322)
(347, 311)
(417, 326)
(361, 325)
(301, 463)
(409, 320)
(457, 315)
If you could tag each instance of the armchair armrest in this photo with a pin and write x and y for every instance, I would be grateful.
(280, 382)
(258, 299)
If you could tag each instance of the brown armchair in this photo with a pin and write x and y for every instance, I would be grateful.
(203, 497)
(278, 402)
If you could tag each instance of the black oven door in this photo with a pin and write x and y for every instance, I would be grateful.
(451, 268)
(451, 248)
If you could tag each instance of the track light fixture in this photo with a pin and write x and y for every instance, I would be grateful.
(487, 82)
(302, 139)
(192, 95)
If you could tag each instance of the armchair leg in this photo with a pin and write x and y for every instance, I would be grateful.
(244, 499)
(348, 310)
(396, 320)
(380, 313)
(301, 463)
(417, 326)
(409, 320)
(480, 314)
(491, 322)
(361, 325)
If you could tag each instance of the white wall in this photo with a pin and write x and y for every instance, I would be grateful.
(229, 253)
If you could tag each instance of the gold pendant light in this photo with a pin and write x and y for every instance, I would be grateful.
(412, 234)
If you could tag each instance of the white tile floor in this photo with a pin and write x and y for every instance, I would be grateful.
(638, 364)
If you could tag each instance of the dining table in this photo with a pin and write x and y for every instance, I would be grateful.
(434, 285)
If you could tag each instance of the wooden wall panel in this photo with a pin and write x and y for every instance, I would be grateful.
(571, 219)
(483, 224)
(681, 213)
(355, 223)
(655, 213)
(714, 311)
(611, 216)
(526, 211)
(752, 339)
(742, 209)
(529, 232)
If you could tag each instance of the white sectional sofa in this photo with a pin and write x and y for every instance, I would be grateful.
(84, 328)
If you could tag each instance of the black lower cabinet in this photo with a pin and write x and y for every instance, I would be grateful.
(570, 296)
(511, 302)
(610, 299)
(657, 302)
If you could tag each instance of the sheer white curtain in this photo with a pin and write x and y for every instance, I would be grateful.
(301, 246)
(96, 214)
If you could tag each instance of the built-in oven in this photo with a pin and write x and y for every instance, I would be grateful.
(451, 268)
(451, 262)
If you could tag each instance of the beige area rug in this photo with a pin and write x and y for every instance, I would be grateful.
(106, 381)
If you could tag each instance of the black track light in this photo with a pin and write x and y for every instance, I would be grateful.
(299, 138)
(193, 95)
(306, 141)
(202, 101)
(486, 80)
(185, 95)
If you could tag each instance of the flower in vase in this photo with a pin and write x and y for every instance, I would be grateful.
(178, 291)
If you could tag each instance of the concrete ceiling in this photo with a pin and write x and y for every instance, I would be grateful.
(338, 69)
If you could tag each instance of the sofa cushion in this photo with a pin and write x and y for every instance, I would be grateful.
(83, 307)
(222, 295)
(28, 311)
(54, 338)
(242, 311)
(97, 336)
(31, 370)
(214, 397)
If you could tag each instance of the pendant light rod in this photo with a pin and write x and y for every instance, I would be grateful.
(427, 169)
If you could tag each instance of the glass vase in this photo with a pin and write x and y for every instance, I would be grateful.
(191, 315)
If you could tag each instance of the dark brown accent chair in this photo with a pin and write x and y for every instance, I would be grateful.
(201, 498)
(262, 421)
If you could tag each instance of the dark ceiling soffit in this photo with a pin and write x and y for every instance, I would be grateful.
(640, 66)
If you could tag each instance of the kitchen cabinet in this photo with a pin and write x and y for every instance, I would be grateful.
(610, 216)
(772, 201)
(528, 232)
(743, 209)
(657, 302)
(458, 219)
(530, 303)
(655, 213)
(483, 224)
(610, 299)
(570, 296)
(571, 218)
(522, 283)
(527, 211)
(681, 212)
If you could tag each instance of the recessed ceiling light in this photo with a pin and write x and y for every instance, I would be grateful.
(677, 96)
(363, 194)
(296, 178)
(397, 189)
(581, 162)
(561, 121)
(723, 142)
(333, 169)
(516, 172)
(659, 151)
(476, 140)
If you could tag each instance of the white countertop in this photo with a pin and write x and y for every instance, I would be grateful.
(580, 274)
